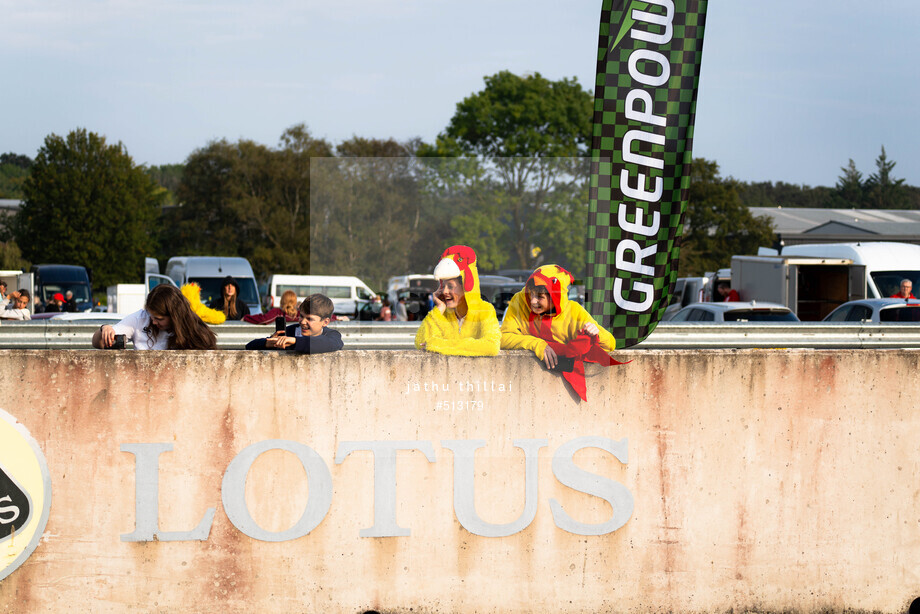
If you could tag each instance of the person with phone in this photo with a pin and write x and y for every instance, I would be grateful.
(166, 322)
(461, 323)
(561, 333)
(310, 336)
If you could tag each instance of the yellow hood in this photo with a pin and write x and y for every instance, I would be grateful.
(460, 259)
(556, 280)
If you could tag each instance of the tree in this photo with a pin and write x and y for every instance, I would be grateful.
(202, 222)
(525, 131)
(717, 225)
(368, 217)
(882, 190)
(14, 168)
(246, 199)
(87, 203)
(850, 187)
(168, 177)
(23, 162)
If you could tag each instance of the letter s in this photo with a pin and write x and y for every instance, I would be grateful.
(9, 509)
(614, 493)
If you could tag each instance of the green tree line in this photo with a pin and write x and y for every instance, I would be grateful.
(508, 175)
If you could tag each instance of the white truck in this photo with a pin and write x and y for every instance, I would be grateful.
(815, 279)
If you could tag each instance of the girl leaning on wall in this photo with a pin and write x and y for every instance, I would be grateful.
(166, 322)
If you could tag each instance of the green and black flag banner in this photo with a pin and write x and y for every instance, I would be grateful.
(645, 100)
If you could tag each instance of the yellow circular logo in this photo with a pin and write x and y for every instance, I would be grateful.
(25, 494)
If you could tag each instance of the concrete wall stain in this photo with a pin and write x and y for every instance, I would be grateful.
(761, 479)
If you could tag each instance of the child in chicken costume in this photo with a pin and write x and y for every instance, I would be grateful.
(542, 319)
(461, 323)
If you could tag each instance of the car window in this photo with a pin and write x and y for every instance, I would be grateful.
(364, 294)
(297, 289)
(889, 282)
(754, 315)
(697, 315)
(900, 313)
(840, 314)
(211, 288)
(338, 291)
(859, 313)
(682, 315)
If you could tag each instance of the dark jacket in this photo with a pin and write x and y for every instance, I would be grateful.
(242, 309)
(329, 341)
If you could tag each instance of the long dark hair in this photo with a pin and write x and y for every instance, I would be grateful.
(230, 303)
(189, 332)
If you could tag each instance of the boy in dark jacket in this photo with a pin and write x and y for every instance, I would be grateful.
(311, 336)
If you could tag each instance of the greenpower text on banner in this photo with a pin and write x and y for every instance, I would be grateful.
(645, 102)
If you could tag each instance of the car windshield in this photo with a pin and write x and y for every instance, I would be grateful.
(900, 313)
(211, 287)
(759, 315)
(80, 290)
(889, 282)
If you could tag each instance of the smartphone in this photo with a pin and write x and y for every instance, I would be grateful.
(564, 364)
(279, 324)
(119, 343)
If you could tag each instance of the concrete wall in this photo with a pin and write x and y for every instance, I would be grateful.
(761, 480)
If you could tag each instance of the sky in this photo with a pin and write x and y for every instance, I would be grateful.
(790, 90)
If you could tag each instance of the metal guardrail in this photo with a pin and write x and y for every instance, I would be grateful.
(69, 335)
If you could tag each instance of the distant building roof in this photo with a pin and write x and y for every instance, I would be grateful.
(811, 225)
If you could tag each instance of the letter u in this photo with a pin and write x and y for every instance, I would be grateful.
(465, 486)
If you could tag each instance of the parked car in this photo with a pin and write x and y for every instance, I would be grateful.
(490, 285)
(504, 295)
(687, 290)
(735, 312)
(521, 275)
(877, 310)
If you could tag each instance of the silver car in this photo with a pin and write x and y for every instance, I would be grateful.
(877, 310)
(752, 311)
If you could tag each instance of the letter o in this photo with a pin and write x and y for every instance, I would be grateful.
(654, 56)
(233, 490)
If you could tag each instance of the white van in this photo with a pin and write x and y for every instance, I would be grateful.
(348, 294)
(209, 273)
(886, 263)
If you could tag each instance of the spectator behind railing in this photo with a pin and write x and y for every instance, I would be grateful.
(288, 309)
(18, 306)
(166, 322)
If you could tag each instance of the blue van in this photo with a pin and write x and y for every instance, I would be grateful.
(50, 279)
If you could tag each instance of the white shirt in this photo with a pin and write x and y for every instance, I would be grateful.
(133, 328)
(15, 314)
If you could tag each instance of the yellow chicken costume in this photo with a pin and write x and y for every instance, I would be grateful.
(192, 292)
(560, 328)
(478, 334)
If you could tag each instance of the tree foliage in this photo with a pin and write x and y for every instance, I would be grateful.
(14, 168)
(246, 199)
(87, 203)
(168, 177)
(882, 190)
(526, 133)
(717, 224)
(853, 190)
(369, 216)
